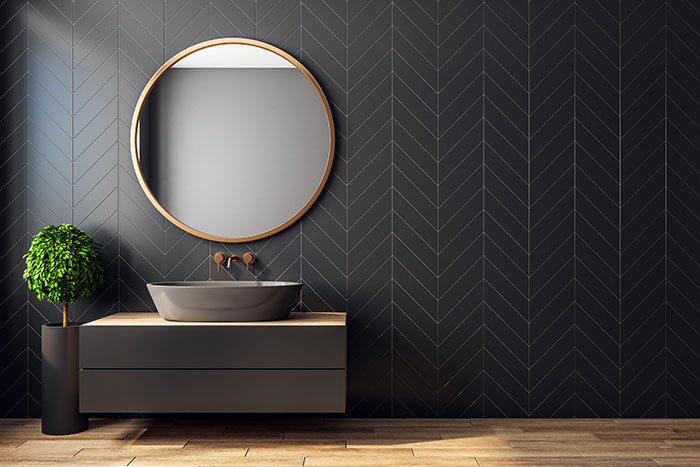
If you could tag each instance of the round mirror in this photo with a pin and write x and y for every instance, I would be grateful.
(232, 140)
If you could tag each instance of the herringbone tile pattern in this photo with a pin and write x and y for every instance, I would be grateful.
(511, 217)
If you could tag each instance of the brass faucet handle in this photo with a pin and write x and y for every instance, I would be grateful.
(232, 258)
(248, 259)
(219, 259)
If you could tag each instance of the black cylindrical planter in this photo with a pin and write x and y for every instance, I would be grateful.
(60, 413)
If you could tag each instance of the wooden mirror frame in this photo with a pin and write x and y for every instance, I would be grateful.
(137, 115)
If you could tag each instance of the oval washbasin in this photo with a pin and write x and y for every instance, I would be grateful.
(224, 300)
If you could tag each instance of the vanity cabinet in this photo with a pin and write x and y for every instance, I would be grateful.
(140, 363)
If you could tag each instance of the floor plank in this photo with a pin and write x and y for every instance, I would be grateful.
(677, 461)
(288, 441)
(561, 461)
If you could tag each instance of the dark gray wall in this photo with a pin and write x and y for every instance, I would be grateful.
(512, 217)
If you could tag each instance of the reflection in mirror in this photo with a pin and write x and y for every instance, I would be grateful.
(234, 141)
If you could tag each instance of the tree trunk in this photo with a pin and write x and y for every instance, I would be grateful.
(65, 313)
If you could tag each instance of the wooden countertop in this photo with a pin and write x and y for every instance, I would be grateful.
(154, 319)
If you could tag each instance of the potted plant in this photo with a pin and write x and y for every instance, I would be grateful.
(63, 266)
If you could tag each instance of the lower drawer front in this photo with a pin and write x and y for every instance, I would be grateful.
(217, 391)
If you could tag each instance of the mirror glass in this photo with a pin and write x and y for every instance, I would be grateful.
(232, 141)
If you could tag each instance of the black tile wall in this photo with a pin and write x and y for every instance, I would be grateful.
(511, 221)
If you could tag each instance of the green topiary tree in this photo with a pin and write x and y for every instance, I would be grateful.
(64, 265)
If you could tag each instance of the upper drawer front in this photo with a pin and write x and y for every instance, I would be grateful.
(254, 347)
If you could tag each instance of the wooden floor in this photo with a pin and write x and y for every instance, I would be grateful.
(357, 442)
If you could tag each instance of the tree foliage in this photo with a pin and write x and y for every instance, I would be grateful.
(63, 264)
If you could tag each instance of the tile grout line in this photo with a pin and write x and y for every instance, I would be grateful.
(437, 211)
(72, 114)
(483, 209)
(209, 242)
(26, 210)
(391, 393)
(529, 213)
(666, 208)
(72, 124)
(346, 162)
(301, 220)
(619, 210)
(255, 243)
(119, 51)
(575, 214)
(162, 222)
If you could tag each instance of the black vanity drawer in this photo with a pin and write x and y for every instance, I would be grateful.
(215, 346)
(202, 391)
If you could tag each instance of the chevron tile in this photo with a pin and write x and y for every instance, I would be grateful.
(185, 23)
(232, 18)
(323, 228)
(506, 228)
(13, 214)
(49, 130)
(552, 203)
(642, 212)
(278, 23)
(142, 237)
(683, 172)
(95, 140)
(414, 174)
(460, 246)
(598, 201)
(49, 152)
(369, 200)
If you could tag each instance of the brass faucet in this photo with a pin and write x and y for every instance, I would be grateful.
(248, 259)
(220, 258)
